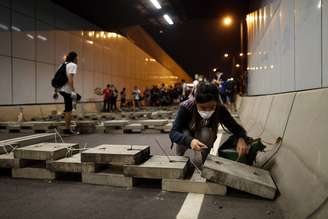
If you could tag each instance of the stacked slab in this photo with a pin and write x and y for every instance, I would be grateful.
(33, 159)
(103, 165)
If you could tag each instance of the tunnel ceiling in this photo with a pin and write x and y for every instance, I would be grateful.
(197, 40)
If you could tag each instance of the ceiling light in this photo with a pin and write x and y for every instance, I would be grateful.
(168, 19)
(226, 55)
(156, 4)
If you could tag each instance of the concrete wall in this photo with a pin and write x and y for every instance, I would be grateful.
(298, 165)
(35, 36)
(288, 46)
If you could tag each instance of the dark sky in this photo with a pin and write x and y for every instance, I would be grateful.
(198, 45)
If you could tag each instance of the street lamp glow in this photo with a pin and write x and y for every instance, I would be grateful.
(214, 69)
(237, 65)
(227, 21)
(226, 55)
(241, 54)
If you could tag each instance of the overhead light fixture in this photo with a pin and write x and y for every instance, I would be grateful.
(168, 19)
(156, 4)
(226, 55)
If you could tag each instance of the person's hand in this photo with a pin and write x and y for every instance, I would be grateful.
(242, 147)
(197, 145)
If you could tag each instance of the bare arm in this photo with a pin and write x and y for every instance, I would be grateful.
(71, 81)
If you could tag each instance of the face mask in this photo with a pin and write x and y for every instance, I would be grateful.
(206, 114)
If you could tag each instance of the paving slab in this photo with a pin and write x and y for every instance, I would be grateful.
(196, 184)
(44, 151)
(239, 176)
(153, 123)
(159, 167)
(107, 178)
(71, 164)
(166, 128)
(134, 128)
(33, 173)
(116, 154)
(86, 127)
(8, 161)
(6, 145)
(116, 123)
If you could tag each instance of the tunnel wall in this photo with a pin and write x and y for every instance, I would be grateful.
(36, 35)
(287, 46)
(298, 165)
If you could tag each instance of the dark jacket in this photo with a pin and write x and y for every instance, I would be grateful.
(187, 115)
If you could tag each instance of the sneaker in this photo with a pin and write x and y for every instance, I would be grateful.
(68, 132)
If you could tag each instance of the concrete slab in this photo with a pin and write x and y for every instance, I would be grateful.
(166, 128)
(68, 164)
(133, 128)
(44, 151)
(86, 127)
(6, 145)
(107, 178)
(116, 154)
(152, 123)
(8, 161)
(159, 167)
(33, 173)
(116, 123)
(239, 176)
(196, 184)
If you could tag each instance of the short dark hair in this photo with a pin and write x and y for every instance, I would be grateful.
(206, 92)
(71, 56)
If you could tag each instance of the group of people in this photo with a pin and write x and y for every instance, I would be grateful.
(155, 96)
(196, 124)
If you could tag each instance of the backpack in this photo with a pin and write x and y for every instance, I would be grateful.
(60, 78)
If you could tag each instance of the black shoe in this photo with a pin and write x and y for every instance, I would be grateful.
(68, 132)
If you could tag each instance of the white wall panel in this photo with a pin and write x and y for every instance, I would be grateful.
(23, 36)
(325, 42)
(5, 82)
(287, 48)
(307, 44)
(5, 36)
(23, 81)
(46, 41)
(62, 46)
(44, 90)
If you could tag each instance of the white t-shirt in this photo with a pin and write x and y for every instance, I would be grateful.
(71, 68)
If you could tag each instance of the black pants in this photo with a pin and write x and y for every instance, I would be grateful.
(106, 105)
(68, 101)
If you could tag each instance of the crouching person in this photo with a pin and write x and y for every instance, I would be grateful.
(197, 121)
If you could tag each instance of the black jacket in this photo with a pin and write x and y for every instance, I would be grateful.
(185, 115)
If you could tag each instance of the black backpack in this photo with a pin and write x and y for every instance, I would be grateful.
(60, 78)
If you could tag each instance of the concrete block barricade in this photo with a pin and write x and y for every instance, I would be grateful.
(71, 164)
(300, 167)
(114, 125)
(195, 184)
(103, 165)
(7, 145)
(239, 176)
(86, 127)
(159, 167)
(133, 128)
(37, 156)
(116, 154)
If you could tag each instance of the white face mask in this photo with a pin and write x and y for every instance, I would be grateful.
(206, 114)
